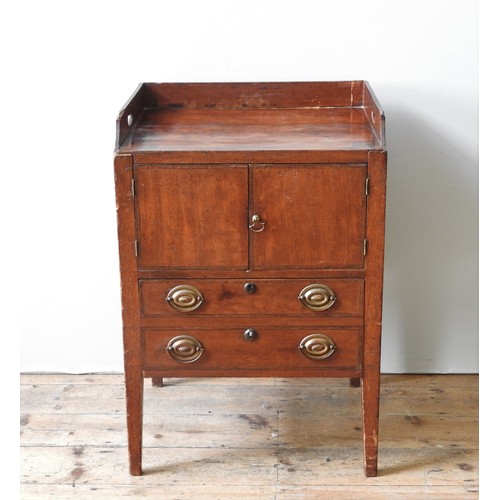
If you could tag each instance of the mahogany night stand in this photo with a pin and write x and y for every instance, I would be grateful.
(251, 236)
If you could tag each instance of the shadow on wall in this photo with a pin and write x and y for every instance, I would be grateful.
(431, 264)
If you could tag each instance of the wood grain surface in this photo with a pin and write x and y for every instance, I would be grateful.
(263, 438)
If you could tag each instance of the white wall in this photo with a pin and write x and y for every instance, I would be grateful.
(72, 65)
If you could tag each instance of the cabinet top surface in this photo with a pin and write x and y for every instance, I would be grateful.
(251, 117)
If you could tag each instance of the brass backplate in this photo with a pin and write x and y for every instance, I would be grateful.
(317, 297)
(184, 298)
(317, 346)
(185, 349)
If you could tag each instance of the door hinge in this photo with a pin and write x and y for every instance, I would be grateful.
(133, 187)
(136, 248)
(367, 183)
(365, 246)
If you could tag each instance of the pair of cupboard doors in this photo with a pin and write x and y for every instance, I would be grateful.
(251, 216)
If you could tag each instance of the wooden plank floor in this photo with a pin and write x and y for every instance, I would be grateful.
(249, 439)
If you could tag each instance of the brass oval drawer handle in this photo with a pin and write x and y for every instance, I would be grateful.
(317, 346)
(317, 297)
(184, 298)
(185, 349)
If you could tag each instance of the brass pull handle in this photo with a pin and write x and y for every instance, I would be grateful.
(184, 298)
(317, 297)
(185, 349)
(257, 225)
(317, 346)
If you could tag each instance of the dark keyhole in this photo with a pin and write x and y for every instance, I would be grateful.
(250, 288)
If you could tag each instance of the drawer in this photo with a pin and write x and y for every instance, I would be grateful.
(275, 297)
(267, 349)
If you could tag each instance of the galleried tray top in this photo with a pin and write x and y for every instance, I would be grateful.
(321, 116)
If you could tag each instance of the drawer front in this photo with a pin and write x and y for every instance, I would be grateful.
(304, 297)
(265, 349)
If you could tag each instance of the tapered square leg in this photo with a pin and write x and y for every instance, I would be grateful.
(370, 388)
(354, 382)
(157, 381)
(132, 345)
(134, 389)
(370, 381)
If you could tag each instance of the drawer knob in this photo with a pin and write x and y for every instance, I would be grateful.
(185, 349)
(317, 346)
(317, 297)
(250, 334)
(184, 298)
(250, 287)
(257, 224)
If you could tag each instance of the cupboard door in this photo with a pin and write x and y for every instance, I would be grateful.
(313, 215)
(192, 217)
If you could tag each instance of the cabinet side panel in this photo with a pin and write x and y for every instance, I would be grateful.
(374, 113)
(129, 115)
